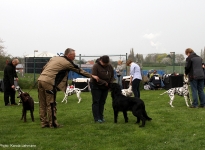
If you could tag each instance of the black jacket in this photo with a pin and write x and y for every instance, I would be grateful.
(193, 67)
(9, 74)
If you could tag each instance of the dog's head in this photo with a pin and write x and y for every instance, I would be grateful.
(17, 88)
(186, 79)
(25, 97)
(130, 88)
(115, 89)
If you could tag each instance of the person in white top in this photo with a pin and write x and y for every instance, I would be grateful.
(135, 77)
(119, 71)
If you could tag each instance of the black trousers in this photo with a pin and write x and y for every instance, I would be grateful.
(9, 92)
(98, 98)
(136, 87)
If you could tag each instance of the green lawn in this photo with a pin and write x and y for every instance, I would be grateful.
(177, 128)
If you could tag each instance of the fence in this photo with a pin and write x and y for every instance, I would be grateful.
(73, 75)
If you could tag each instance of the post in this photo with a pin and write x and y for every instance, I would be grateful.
(34, 68)
(126, 64)
(173, 60)
(80, 60)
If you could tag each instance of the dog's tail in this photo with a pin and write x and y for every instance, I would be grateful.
(145, 113)
(84, 88)
(163, 93)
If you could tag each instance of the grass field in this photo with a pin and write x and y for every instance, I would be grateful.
(177, 128)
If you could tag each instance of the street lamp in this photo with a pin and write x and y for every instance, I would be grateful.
(34, 68)
(173, 60)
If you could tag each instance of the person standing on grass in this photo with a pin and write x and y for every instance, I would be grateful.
(119, 71)
(195, 72)
(9, 76)
(99, 90)
(135, 77)
(54, 77)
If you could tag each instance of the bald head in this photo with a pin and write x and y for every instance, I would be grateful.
(15, 62)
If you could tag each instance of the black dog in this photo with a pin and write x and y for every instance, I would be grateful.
(27, 102)
(124, 104)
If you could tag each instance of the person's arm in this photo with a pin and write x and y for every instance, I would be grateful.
(9, 73)
(95, 73)
(188, 66)
(131, 80)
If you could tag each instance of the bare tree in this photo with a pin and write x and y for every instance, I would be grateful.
(2, 53)
(179, 58)
(166, 60)
(131, 55)
(151, 58)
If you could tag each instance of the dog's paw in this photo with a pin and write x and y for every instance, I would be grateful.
(142, 126)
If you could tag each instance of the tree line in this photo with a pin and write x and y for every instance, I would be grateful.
(150, 60)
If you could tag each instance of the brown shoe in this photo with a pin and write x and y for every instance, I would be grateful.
(58, 126)
(45, 126)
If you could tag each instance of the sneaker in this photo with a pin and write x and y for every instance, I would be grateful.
(99, 121)
(193, 106)
(8, 104)
(201, 106)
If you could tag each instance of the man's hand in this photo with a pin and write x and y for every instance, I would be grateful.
(95, 77)
(12, 86)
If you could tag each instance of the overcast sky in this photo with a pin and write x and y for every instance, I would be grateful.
(99, 27)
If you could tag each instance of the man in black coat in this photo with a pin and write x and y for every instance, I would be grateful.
(9, 87)
(194, 70)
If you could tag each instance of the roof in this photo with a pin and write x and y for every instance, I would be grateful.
(19, 66)
(86, 65)
(43, 54)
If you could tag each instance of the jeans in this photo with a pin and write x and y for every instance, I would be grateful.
(197, 87)
(98, 97)
(119, 80)
(135, 87)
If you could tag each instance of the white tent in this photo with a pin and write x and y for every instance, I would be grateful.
(43, 54)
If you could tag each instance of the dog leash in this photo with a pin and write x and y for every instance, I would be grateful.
(31, 87)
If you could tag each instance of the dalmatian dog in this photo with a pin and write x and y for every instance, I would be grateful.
(72, 90)
(181, 91)
(127, 92)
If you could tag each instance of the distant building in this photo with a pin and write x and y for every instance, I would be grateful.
(19, 68)
(37, 62)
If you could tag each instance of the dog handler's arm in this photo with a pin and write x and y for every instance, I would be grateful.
(130, 80)
(95, 73)
(95, 77)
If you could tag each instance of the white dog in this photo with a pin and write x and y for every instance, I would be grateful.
(73, 90)
(127, 92)
(181, 91)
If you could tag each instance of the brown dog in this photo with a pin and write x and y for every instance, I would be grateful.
(27, 102)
